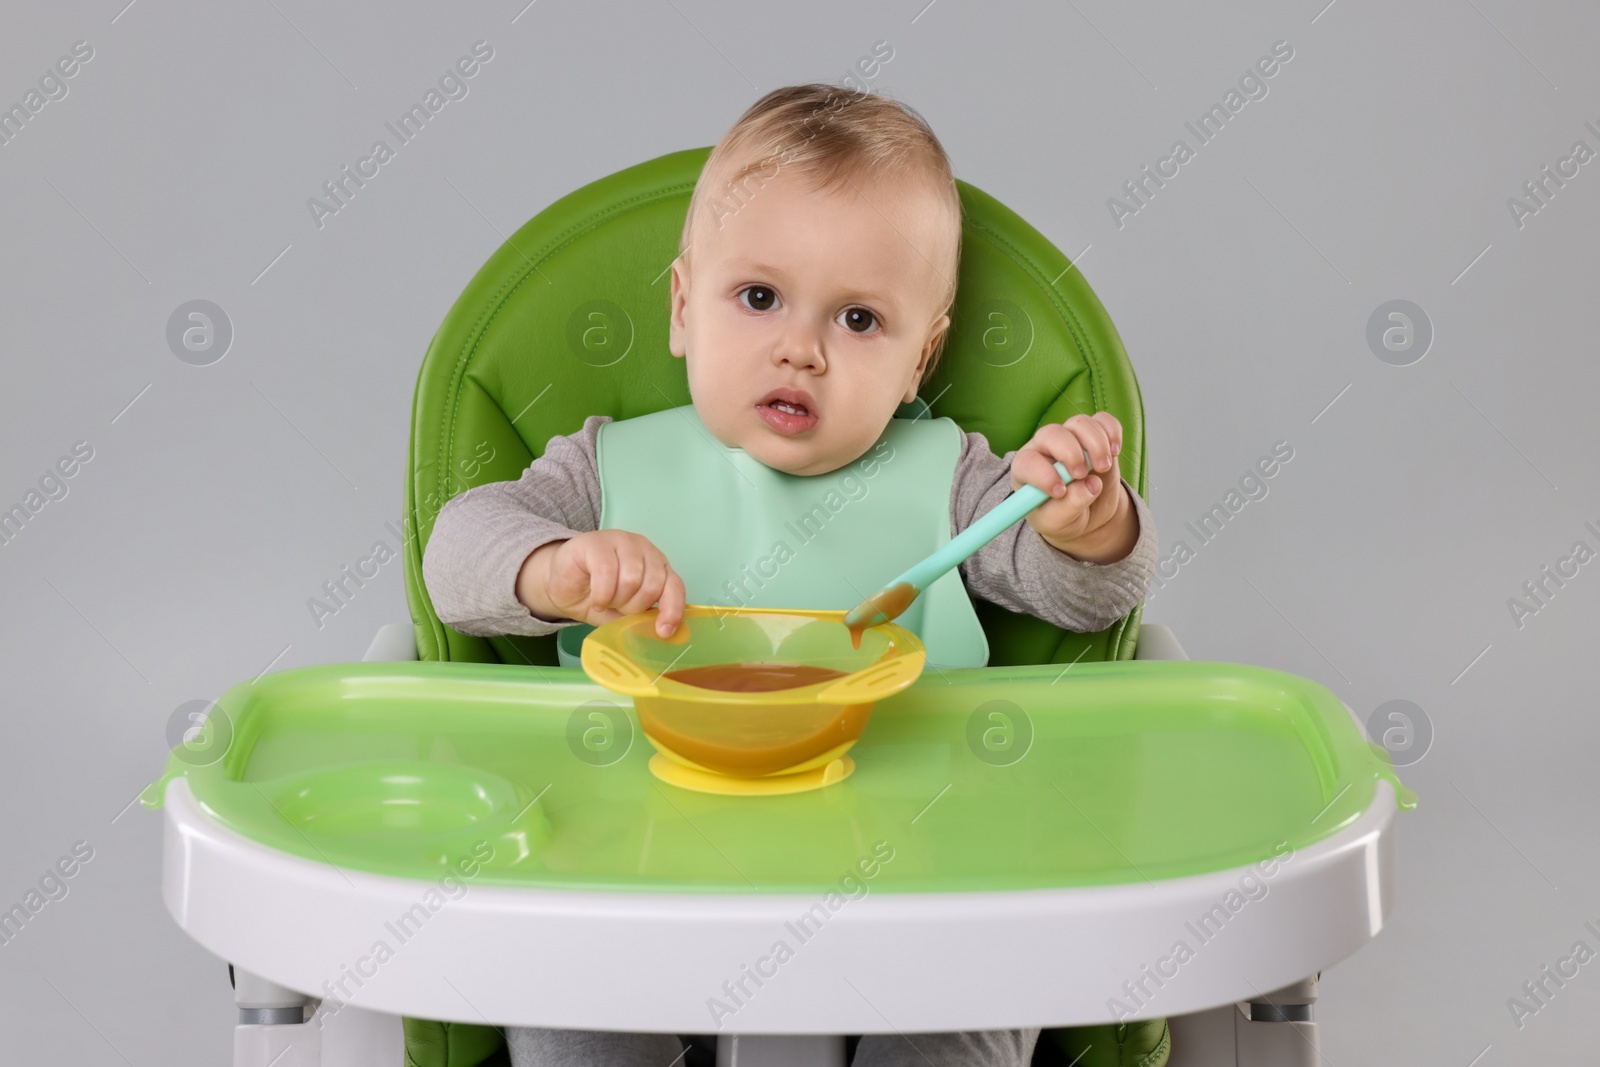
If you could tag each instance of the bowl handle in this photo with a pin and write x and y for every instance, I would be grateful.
(615, 671)
(875, 682)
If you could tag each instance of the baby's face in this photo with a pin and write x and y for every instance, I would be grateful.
(828, 301)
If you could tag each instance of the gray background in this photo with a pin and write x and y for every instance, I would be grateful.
(1380, 564)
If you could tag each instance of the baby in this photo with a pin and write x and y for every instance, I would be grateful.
(806, 312)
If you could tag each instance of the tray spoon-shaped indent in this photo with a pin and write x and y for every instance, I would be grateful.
(395, 798)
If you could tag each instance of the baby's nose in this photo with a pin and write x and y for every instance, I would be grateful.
(799, 348)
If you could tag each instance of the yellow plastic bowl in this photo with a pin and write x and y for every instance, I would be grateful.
(720, 734)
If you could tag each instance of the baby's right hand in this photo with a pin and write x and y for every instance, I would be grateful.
(599, 576)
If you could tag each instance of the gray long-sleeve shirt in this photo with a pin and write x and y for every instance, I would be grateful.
(482, 537)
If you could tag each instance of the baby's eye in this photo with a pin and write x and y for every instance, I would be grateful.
(858, 320)
(761, 298)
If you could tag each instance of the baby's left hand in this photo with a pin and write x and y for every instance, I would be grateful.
(1079, 515)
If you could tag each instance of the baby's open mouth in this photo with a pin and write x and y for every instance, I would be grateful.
(789, 411)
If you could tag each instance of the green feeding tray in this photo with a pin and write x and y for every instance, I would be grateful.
(998, 778)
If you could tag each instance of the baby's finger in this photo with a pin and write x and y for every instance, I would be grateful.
(1033, 467)
(1072, 505)
(602, 564)
(1091, 437)
(1113, 430)
(1058, 443)
(654, 572)
(673, 597)
(631, 577)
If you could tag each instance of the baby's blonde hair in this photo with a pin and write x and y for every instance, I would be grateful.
(829, 136)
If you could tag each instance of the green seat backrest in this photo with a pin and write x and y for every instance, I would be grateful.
(569, 319)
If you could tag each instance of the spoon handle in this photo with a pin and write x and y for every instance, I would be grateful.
(876, 608)
(987, 527)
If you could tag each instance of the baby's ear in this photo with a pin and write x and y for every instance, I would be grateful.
(679, 298)
(935, 333)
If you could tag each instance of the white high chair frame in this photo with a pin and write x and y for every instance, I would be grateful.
(644, 962)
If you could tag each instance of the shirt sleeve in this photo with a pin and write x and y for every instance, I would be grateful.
(1021, 571)
(481, 538)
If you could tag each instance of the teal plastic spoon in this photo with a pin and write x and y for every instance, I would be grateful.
(894, 598)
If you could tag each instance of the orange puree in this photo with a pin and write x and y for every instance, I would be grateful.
(754, 677)
(750, 739)
(889, 603)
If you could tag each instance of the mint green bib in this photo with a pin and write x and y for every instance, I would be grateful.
(742, 534)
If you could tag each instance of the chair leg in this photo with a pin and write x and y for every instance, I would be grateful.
(273, 1028)
(1204, 1038)
(357, 1037)
(1279, 1030)
(1273, 1030)
(780, 1050)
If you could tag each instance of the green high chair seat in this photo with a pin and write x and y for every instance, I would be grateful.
(569, 319)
